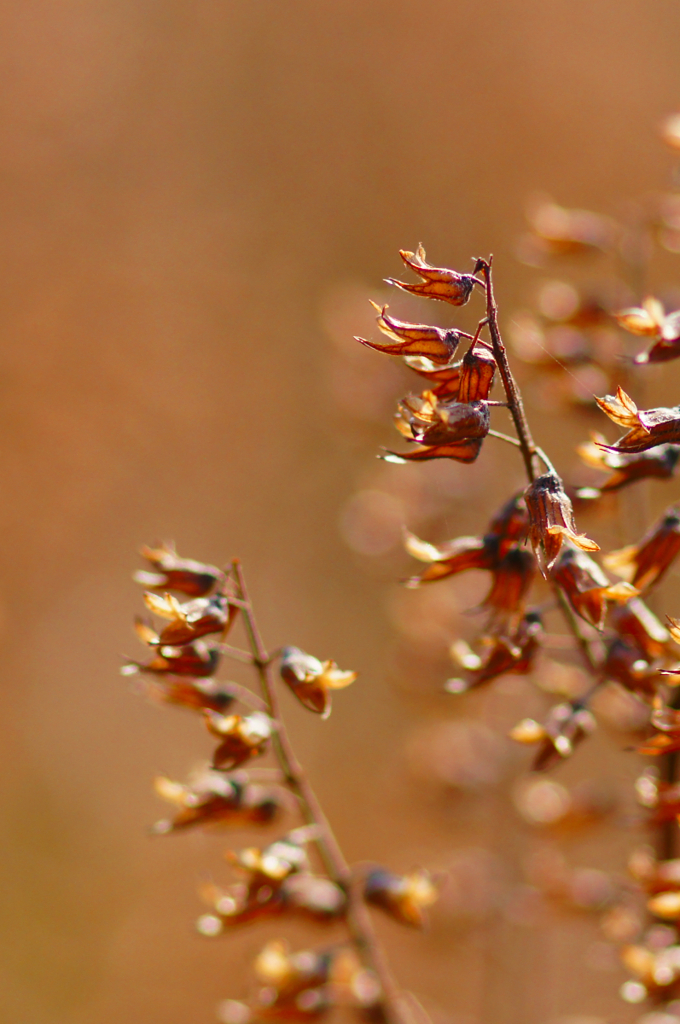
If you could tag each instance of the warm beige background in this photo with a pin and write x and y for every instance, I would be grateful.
(183, 185)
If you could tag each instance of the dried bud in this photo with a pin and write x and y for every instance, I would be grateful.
(403, 897)
(242, 737)
(645, 563)
(193, 619)
(586, 587)
(658, 464)
(513, 653)
(213, 798)
(551, 519)
(452, 557)
(312, 680)
(174, 573)
(567, 725)
(647, 428)
(433, 343)
(437, 283)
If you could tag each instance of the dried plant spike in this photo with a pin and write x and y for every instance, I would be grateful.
(312, 680)
(437, 282)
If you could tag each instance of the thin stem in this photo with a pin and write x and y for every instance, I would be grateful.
(358, 919)
(512, 392)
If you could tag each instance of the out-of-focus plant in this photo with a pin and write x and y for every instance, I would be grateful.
(278, 880)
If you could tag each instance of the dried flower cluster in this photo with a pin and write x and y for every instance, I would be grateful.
(277, 879)
(540, 565)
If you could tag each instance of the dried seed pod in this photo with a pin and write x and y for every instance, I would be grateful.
(437, 282)
(511, 523)
(476, 377)
(586, 587)
(184, 575)
(647, 428)
(514, 653)
(312, 680)
(452, 557)
(242, 737)
(646, 563)
(635, 622)
(427, 420)
(433, 343)
(193, 619)
(403, 897)
(213, 798)
(199, 660)
(658, 464)
(511, 581)
(551, 519)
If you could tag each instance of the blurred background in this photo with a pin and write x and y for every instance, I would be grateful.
(196, 202)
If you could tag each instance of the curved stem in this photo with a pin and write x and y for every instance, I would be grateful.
(358, 919)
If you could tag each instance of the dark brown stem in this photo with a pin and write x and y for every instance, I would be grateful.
(512, 392)
(358, 919)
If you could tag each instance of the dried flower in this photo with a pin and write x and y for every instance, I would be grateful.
(242, 738)
(403, 897)
(638, 625)
(444, 380)
(195, 694)
(191, 620)
(567, 725)
(586, 587)
(312, 680)
(647, 428)
(199, 659)
(433, 343)
(645, 563)
(460, 451)
(666, 740)
(626, 663)
(514, 653)
(309, 896)
(551, 519)
(511, 523)
(650, 321)
(214, 798)
(512, 579)
(174, 573)
(283, 857)
(437, 282)
(452, 557)
(658, 464)
(427, 420)
(562, 232)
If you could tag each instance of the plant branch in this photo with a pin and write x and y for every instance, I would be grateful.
(358, 919)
